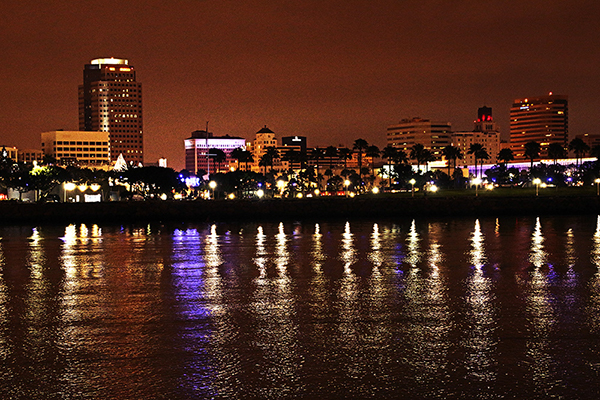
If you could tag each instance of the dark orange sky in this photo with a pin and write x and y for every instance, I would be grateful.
(333, 71)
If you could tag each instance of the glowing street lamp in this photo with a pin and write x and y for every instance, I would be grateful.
(412, 186)
(346, 184)
(68, 186)
(375, 190)
(476, 182)
(260, 193)
(537, 182)
(280, 186)
(433, 188)
(597, 181)
(212, 185)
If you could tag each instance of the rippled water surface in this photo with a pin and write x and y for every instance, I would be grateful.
(490, 308)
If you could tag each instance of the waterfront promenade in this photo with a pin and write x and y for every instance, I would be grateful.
(367, 206)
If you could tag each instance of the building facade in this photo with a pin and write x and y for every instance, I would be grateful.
(197, 151)
(543, 119)
(91, 149)
(434, 136)
(485, 132)
(110, 100)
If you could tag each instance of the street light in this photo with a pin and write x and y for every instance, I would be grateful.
(476, 182)
(212, 185)
(375, 190)
(346, 184)
(68, 186)
(412, 187)
(537, 182)
(597, 181)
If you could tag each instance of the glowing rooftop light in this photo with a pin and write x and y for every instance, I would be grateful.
(69, 186)
(110, 61)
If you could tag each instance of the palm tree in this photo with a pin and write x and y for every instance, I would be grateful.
(595, 152)
(218, 157)
(360, 145)
(580, 147)
(389, 152)
(506, 155)
(427, 156)
(475, 149)
(238, 154)
(452, 153)
(373, 152)
(317, 154)
(416, 153)
(271, 154)
(482, 155)
(345, 154)
(331, 152)
(532, 151)
(556, 151)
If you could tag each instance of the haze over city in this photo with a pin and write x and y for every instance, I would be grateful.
(332, 71)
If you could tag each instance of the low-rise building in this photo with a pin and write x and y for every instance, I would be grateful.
(82, 148)
(197, 151)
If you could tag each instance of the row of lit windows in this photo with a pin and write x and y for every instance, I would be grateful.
(97, 149)
(82, 155)
(85, 143)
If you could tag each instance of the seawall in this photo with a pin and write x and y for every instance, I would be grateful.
(295, 209)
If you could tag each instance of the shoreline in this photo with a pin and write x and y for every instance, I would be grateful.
(323, 208)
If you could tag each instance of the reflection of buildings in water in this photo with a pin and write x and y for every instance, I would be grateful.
(413, 255)
(275, 331)
(189, 286)
(571, 252)
(477, 253)
(595, 253)
(427, 311)
(541, 315)
(479, 340)
(282, 256)
(537, 254)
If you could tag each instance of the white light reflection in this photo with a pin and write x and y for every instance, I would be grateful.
(414, 256)
(347, 298)
(537, 254)
(375, 255)
(273, 308)
(477, 253)
(595, 254)
(479, 339)
(541, 314)
(427, 309)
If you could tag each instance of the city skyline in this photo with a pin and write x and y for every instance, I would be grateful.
(332, 71)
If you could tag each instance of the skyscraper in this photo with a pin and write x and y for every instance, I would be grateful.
(543, 119)
(110, 100)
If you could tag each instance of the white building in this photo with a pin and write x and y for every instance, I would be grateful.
(198, 146)
(485, 132)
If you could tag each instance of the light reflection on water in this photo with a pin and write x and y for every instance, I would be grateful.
(486, 308)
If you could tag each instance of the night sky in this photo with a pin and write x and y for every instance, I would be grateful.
(331, 70)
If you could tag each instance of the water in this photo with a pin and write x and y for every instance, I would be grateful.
(466, 308)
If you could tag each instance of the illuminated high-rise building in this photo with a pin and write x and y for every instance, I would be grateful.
(543, 119)
(434, 136)
(110, 100)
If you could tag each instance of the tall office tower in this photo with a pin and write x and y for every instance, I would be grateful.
(110, 100)
(543, 119)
